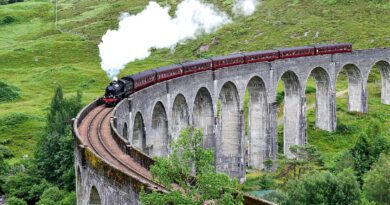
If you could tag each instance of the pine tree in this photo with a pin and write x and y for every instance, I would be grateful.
(54, 153)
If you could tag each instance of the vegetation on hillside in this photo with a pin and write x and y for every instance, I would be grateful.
(305, 180)
(38, 179)
(191, 168)
(36, 57)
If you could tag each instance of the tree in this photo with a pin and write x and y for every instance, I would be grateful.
(367, 150)
(377, 181)
(26, 186)
(324, 188)
(192, 168)
(54, 152)
(305, 158)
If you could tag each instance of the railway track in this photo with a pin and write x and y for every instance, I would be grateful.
(95, 132)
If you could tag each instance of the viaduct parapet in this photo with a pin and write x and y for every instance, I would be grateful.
(142, 125)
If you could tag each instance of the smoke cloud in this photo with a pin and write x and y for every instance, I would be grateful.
(245, 7)
(155, 28)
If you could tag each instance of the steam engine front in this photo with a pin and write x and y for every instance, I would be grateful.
(117, 90)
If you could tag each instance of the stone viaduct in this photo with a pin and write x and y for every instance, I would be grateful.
(214, 101)
(151, 117)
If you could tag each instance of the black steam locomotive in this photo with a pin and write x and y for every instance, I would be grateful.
(117, 90)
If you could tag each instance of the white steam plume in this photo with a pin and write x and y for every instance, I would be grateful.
(245, 7)
(155, 28)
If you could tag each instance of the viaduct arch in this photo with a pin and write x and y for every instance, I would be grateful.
(214, 101)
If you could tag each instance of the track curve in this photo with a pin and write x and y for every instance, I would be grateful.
(95, 133)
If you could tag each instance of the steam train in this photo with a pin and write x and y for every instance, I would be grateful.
(122, 88)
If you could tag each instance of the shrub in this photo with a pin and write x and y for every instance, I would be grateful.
(15, 201)
(53, 194)
(24, 186)
(325, 188)
(279, 97)
(70, 199)
(277, 197)
(8, 20)
(3, 2)
(377, 181)
(310, 89)
(8, 93)
(266, 182)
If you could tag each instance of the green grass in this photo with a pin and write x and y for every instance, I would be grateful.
(35, 56)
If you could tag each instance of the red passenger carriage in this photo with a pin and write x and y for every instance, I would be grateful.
(169, 72)
(197, 66)
(261, 56)
(117, 90)
(226, 61)
(334, 48)
(297, 52)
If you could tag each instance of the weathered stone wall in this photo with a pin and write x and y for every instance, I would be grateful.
(96, 184)
(214, 101)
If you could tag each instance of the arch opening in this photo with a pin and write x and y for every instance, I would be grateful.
(203, 116)
(159, 131)
(94, 197)
(180, 116)
(323, 98)
(230, 129)
(257, 123)
(355, 87)
(384, 72)
(291, 112)
(139, 137)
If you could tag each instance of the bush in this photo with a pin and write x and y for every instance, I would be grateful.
(277, 197)
(70, 199)
(46, 202)
(279, 97)
(3, 2)
(24, 186)
(12, 120)
(15, 201)
(310, 89)
(266, 182)
(53, 194)
(367, 151)
(324, 188)
(8, 93)
(377, 181)
(8, 20)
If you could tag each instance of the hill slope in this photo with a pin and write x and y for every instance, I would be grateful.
(35, 56)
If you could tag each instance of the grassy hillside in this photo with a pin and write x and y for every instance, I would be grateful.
(35, 56)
